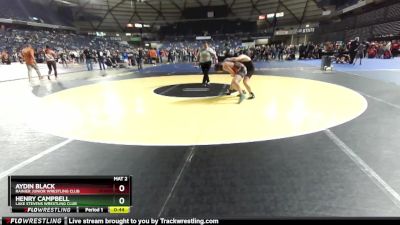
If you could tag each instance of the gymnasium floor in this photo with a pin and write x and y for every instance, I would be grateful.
(341, 160)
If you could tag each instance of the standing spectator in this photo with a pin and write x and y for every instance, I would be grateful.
(72, 55)
(125, 56)
(108, 53)
(153, 56)
(89, 59)
(63, 57)
(160, 55)
(194, 53)
(359, 54)
(273, 52)
(100, 57)
(20, 58)
(302, 51)
(170, 56)
(372, 51)
(50, 57)
(131, 61)
(395, 48)
(353, 49)
(29, 57)
(280, 52)
(388, 50)
(381, 50)
(140, 59)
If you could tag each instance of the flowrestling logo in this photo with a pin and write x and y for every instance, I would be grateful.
(33, 220)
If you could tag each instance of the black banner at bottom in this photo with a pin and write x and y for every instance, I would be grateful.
(162, 221)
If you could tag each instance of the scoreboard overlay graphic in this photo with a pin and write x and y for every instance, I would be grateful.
(70, 194)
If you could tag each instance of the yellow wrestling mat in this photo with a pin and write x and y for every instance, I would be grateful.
(129, 112)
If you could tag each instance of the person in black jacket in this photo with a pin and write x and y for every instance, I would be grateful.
(139, 59)
(89, 59)
(353, 49)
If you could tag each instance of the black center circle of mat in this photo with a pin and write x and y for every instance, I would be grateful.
(192, 90)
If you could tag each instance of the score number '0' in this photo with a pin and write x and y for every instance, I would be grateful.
(121, 200)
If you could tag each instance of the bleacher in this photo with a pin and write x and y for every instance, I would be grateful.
(13, 39)
(375, 16)
(393, 11)
(366, 26)
(217, 43)
(386, 28)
